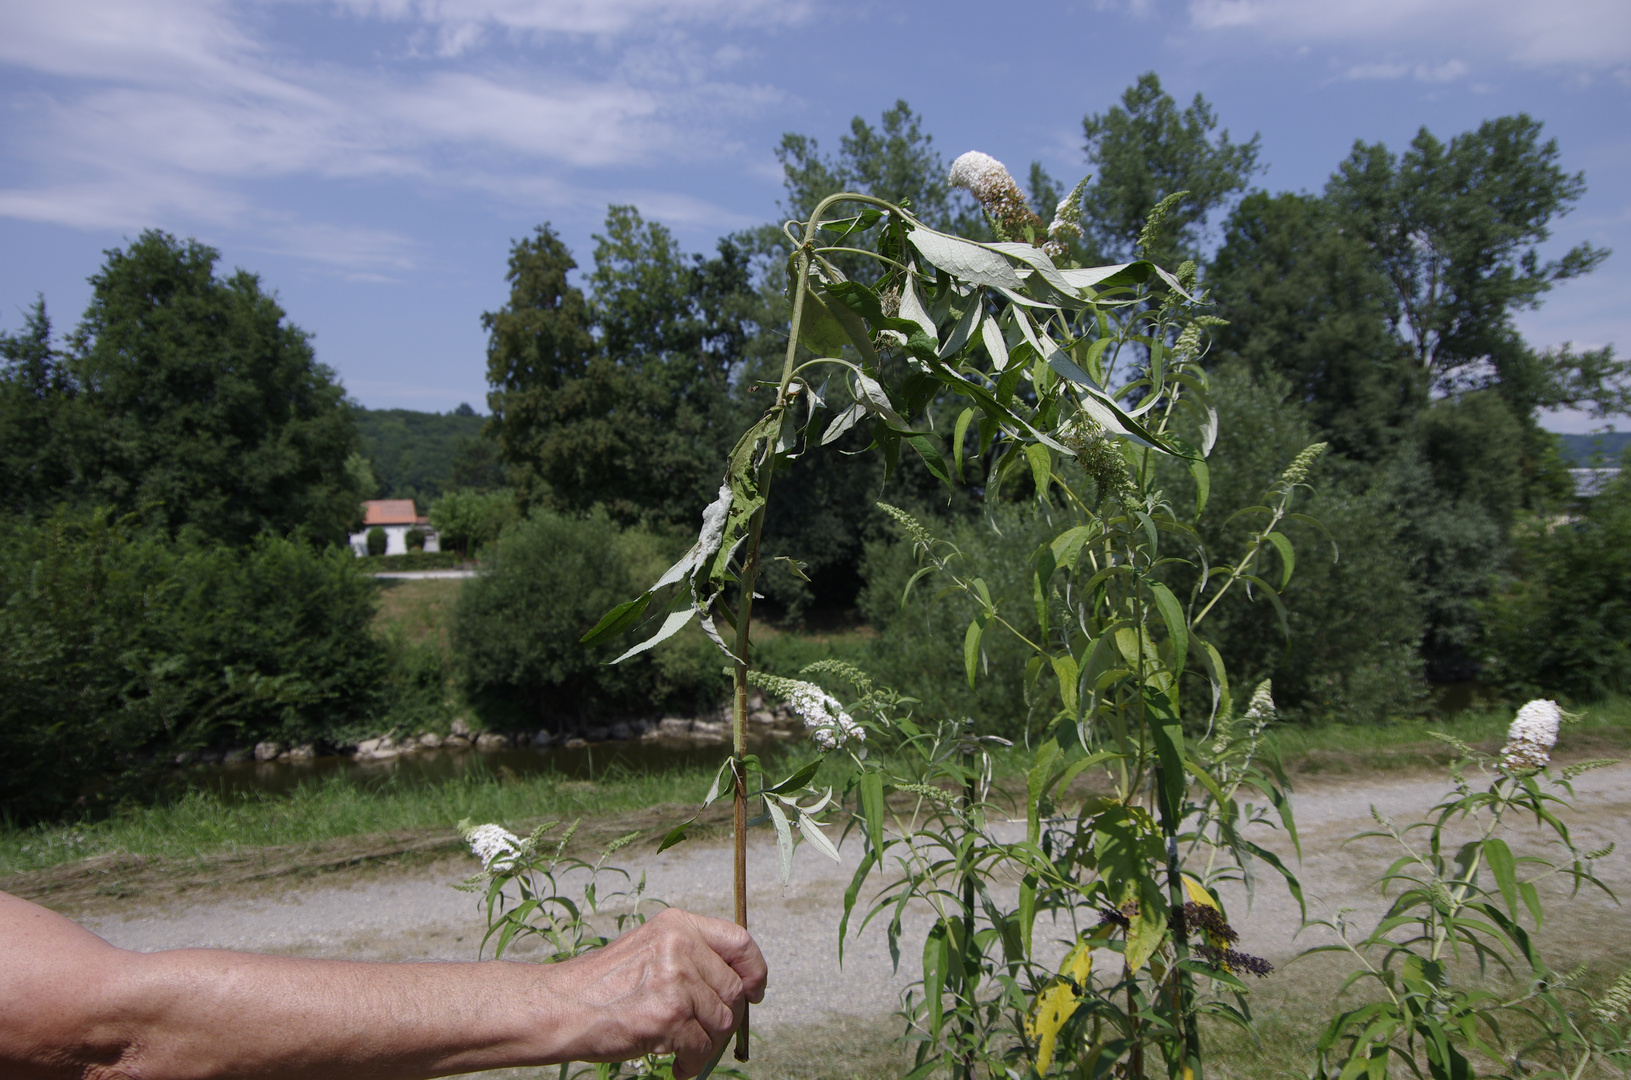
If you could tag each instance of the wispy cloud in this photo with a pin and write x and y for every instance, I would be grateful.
(144, 110)
(1593, 33)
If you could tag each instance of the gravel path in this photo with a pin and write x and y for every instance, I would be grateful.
(418, 915)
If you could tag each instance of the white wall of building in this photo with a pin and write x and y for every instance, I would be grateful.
(396, 539)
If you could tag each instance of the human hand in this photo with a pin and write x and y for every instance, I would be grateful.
(678, 985)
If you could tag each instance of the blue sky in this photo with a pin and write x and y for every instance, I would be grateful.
(373, 159)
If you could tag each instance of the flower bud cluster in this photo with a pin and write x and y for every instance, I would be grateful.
(1533, 733)
(1297, 471)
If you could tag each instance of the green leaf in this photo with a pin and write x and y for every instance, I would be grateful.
(675, 836)
(1041, 468)
(1027, 909)
(1531, 900)
(1065, 668)
(1288, 558)
(819, 329)
(936, 963)
(617, 620)
(926, 449)
(971, 648)
(1504, 867)
(1169, 750)
(851, 894)
(872, 807)
(784, 839)
(817, 838)
(799, 778)
(964, 259)
(1177, 627)
(1203, 483)
(672, 625)
(995, 344)
(957, 438)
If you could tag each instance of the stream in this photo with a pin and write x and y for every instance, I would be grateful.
(430, 767)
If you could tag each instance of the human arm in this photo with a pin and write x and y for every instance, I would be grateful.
(74, 1006)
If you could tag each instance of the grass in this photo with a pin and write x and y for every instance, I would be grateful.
(199, 826)
(1602, 730)
(418, 610)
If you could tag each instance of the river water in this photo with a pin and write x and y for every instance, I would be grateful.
(428, 767)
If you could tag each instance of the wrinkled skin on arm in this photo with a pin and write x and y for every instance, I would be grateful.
(73, 1006)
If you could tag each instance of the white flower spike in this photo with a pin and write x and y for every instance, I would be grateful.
(1530, 739)
(830, 726)
(493, 845)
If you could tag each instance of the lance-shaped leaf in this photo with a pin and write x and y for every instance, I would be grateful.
(672, 625)
(872, 397)
(912, 309)
(995, 343)
(964, 259)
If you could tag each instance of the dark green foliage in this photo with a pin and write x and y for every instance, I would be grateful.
(918, 648)
(539, 343)
(414, 539)
(199, 406)
(36, 393)
(376, 541)
(1146, 149)
(282, 608)
(1561, 624)
(639, 420)
(120, 649)
(549, 579)
(419, 455)
(1456, 228)
(1355, 614)
(1305, 301)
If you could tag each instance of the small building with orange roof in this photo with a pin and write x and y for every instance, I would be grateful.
(397, 517)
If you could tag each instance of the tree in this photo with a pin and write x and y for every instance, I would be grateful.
(1304, 301)
(199, 406)
(36, 391)
(894, 161)
(632, 421)
(468, 519)
(1146, 149)
(538, 344)
(1457, 229)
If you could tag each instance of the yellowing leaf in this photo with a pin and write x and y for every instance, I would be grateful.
(1198, 894)
(1057, 1003)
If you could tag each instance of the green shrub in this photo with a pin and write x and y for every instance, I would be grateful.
(1353, 606)
(119, 650)
(414, 540)
(915, 651)
(516, 629)
(1562, 624)
(468, 519)
(376, 541)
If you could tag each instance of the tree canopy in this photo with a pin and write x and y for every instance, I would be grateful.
(185, 397)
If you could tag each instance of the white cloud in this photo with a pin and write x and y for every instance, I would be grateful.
(1593, 33)
(165, 109)
(457, 18)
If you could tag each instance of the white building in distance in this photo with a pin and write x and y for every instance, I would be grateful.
(396, 517)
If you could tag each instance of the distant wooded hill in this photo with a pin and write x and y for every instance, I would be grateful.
(419, 455)
(1586, 450)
